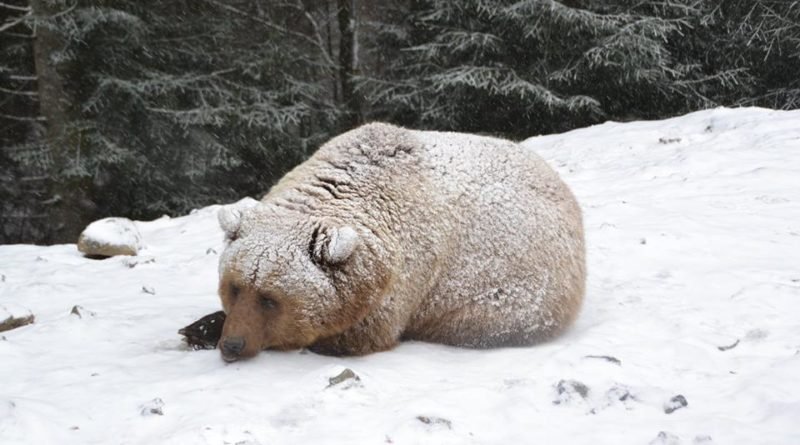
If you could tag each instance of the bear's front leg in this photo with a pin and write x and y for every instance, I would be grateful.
(368, 336)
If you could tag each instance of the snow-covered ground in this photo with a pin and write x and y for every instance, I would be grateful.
(693, 233)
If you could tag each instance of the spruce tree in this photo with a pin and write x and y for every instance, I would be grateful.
(139, 108)
(525, 67)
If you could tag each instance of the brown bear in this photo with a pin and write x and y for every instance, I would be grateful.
(388, 234)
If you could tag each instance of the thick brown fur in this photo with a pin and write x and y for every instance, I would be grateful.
(387, 234)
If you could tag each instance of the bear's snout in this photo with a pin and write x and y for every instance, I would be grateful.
(232, 348)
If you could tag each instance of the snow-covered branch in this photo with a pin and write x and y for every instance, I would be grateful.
(15, 7)
(10, 23)
(23, 118)
(18, 92)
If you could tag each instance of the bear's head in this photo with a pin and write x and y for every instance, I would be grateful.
(288, 279)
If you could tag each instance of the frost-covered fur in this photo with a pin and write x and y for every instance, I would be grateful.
(388, 234)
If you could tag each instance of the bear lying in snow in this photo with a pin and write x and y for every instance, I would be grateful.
(388, 234)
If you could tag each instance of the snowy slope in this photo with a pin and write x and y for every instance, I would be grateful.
(693, 228)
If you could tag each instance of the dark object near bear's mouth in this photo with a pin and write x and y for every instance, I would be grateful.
(205, 332)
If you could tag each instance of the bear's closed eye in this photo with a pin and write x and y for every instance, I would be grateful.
(234, 291)
(267, 302)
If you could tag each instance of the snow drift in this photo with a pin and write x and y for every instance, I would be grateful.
(690, 332)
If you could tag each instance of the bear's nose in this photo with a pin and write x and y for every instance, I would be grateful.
(232, 346)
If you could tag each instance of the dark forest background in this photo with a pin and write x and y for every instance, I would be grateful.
(140, 108)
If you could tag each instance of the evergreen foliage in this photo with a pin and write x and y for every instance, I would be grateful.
(188, 112)
(521, 67)
(139, 108)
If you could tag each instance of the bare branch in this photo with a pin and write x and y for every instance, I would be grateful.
(19, 35)
(19, 92)
(15, 7)
(318, 43)
(64, 12)
(14, 22)
(23, 78)
(22, 118)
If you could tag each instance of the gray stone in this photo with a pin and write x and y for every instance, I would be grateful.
(13, 316)
(15, 322)
(675, 404)
(110, 237)
(153, 407)
(343, 376)
(666, 438)
(429, 420)
(569, 389)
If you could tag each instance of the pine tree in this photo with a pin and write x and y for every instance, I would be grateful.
(139, 107)
(24, 159)
(760, 41)
(189, 112)
(522, 67)
(160, 107)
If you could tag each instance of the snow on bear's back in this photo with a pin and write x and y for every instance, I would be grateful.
(493, 171)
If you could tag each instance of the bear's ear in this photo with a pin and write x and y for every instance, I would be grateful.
(333, 245)
(230, 217)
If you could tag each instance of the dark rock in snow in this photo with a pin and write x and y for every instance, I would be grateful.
(731, 346)
(80, 311)
(675, 404)
(567, 389)
(130, 263)
(607, 358)
(617, 395)
(665, 438)
(205, 332)
(427, 420)
(620, 393)
(153, 407)
(343, 376)
(15, 322)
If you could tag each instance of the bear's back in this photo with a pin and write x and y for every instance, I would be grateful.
(475, 230)
(516, 256)
(457, 162)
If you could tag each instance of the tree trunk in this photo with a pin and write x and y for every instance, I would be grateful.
(348, 63)
(70, 208)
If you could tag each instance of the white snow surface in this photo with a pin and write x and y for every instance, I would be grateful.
(10, 309)
(693, 235)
